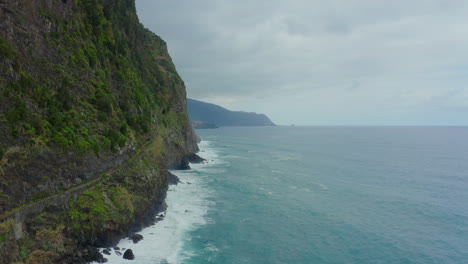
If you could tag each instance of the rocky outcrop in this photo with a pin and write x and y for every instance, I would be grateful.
(136, 238)
(129, 255)
(173, 179)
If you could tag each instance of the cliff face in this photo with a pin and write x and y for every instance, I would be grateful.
(92, 113)
(219, 116)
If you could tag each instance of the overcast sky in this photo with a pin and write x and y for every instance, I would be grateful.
(310, 62)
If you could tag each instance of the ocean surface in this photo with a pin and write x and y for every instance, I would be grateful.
(317, 195)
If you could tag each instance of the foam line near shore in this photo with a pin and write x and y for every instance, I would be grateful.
(187, 206)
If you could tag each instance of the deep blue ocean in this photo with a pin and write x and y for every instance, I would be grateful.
(363, 195)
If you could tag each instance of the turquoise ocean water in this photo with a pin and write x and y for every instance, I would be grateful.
(317, 195)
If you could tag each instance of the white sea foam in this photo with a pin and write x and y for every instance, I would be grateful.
(320, 185)
(187, 204)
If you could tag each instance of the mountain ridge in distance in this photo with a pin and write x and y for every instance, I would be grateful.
(219, 116)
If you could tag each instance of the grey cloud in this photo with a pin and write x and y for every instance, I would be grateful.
(383, 56)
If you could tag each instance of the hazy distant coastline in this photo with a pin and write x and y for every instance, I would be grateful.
(212, 116)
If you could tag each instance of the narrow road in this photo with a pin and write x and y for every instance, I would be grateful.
(78, 188)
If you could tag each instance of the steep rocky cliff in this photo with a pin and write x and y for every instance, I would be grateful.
(92, 113)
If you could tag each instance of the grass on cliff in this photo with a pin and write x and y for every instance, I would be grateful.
(101, 204)
(6, 50)
(5, 228)
(41, 257)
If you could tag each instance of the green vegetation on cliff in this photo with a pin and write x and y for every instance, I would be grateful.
(84, 78)
(92, 112)
(93, 80)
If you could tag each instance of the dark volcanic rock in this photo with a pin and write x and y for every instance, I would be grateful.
(108, 238)
(182, 165)
(184, 162)
(172, 179)
(136, 238)
(194, 158)
(89, 254)
(129, 254)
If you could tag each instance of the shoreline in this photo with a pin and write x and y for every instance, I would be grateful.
(177, 212)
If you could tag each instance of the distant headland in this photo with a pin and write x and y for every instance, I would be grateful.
(206, 115)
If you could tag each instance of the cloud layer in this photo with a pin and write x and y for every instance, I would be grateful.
(337, 62)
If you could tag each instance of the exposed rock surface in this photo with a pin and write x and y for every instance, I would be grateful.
(129, 255)
(173, 179)
(194, 158)
(136, 238)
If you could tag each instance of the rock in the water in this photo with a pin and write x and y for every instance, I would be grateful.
(136, 238)
(106, 251)
(129, 254)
